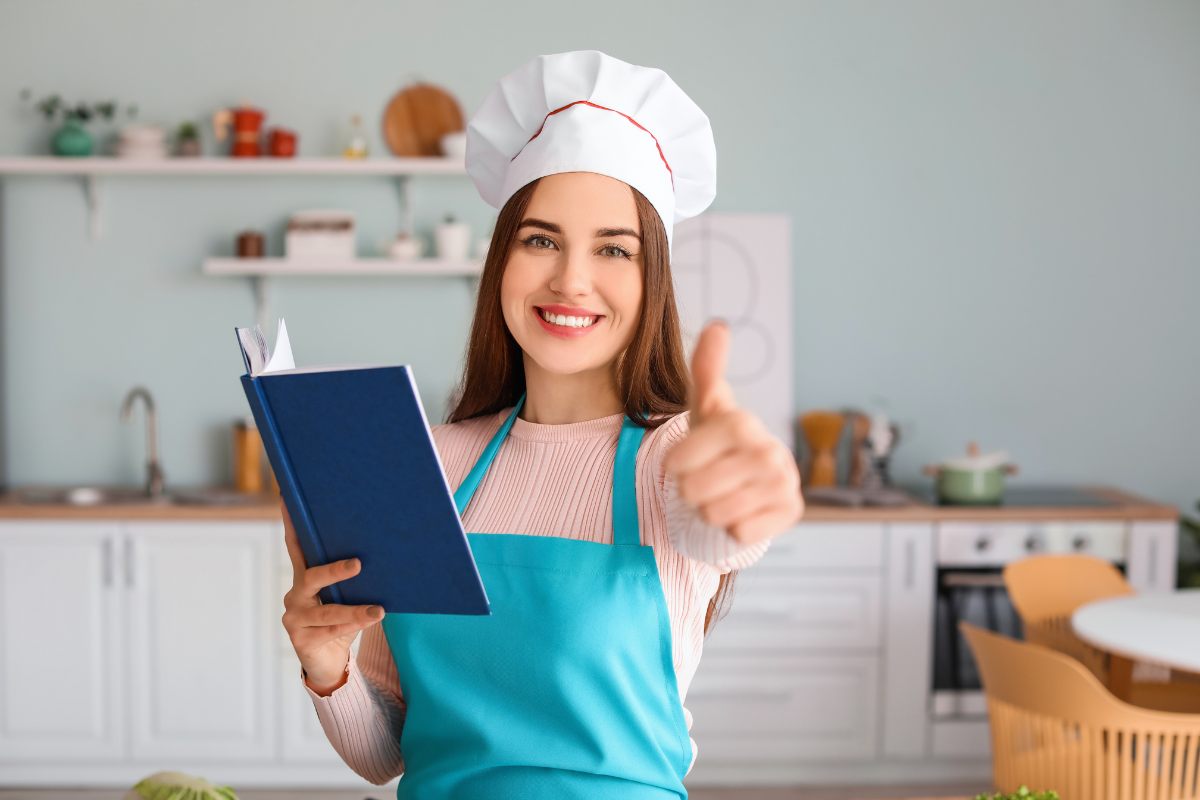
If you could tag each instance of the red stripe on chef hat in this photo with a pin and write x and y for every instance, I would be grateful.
(603, 108)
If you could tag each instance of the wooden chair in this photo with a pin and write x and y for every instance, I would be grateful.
(1055, 726)
(1047, 589)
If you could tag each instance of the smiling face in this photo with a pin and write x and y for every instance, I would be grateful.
(571, 291)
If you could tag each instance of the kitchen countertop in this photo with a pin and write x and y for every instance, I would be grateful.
(266, 507)
(1125, 506)
(258, 507)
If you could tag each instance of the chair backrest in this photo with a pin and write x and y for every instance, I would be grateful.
(1047, 589)
(1055, 585)
(1055, 726)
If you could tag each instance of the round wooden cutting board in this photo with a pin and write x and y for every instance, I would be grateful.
(417, 117)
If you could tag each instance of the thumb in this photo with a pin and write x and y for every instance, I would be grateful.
(711, 393)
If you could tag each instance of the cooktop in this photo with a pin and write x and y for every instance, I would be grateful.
(1027, 497)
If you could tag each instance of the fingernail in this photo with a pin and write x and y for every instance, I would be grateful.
(376, 611)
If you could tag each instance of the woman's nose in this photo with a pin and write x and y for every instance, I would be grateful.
(573, 275)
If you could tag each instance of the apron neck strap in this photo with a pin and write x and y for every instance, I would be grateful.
(466, 489)
(624, 490)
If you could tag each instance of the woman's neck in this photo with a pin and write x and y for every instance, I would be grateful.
(552, 399)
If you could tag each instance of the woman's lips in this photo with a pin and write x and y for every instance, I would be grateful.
(561, 331)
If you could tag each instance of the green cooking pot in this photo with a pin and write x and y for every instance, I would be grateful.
(976, 480)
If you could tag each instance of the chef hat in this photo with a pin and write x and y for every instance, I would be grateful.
(585, 111)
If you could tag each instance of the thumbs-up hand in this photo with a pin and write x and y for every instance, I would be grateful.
(729, 466)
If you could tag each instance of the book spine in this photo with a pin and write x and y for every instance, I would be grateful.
(289, 485)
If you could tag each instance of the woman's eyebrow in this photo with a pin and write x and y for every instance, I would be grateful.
(530, 222)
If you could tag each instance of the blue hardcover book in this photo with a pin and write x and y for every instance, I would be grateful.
(360, 475)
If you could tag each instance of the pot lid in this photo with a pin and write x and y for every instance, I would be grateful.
(975, 461)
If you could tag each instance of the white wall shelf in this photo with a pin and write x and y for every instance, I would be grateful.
(270, 267)
(259, 269)
(89, 168)
(107, 165)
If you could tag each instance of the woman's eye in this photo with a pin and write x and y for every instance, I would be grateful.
(539, 242)
(616, 251)
(537, 238)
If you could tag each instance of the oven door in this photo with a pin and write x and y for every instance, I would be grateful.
(977, 595)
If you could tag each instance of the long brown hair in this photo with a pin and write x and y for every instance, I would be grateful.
(652, 373)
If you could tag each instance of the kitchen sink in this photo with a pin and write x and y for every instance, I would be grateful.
(131, 495)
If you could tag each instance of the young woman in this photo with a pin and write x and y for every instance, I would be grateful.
(608, 502)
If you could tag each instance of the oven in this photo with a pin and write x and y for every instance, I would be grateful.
(969, 585)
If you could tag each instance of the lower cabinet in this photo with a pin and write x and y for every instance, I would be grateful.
(792, 674)
(127, 647)
(138, 642)
(199, 647)
(754, 708)
(62, 650)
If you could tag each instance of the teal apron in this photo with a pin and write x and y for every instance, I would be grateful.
(567, 689)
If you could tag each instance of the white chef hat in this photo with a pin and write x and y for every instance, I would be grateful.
(585, 111)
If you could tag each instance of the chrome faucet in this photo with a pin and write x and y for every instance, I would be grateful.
(154, 473)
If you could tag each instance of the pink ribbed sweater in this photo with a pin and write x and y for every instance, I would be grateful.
(548, 480)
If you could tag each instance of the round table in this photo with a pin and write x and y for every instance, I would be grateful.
(1162, 628)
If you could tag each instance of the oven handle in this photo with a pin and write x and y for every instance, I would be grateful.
(972, 579)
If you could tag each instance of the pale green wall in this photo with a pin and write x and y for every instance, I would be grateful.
(996, 212)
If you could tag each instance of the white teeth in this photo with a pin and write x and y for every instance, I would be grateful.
(567, 322)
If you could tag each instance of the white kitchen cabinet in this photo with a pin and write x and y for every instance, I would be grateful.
(61, 650)
(838, 546)
(200, 655)
(776, 608)
(908, 643)
(160, 644)
(1153, 551)
(791, 674)
(753, 708)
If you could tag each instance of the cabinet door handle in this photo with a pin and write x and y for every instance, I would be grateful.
(129, 562)
(106, 562)
(910, 563)
(1153, 563)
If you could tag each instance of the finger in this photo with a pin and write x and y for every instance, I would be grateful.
(295, 554)
(766, 523)
(711, 393)
(317, 578)
(722, 475)
(731, 430)
(334, 631)
(336, 614)
(313, 637)
(747, 501)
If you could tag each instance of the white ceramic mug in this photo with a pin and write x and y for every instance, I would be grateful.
(453, 240)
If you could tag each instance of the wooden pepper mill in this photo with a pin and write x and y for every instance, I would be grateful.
(822, 431)
(247, 457)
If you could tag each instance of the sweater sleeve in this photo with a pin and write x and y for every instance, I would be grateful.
(689, 533)
(363, 718)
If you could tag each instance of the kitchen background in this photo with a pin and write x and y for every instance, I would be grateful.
(994, 213)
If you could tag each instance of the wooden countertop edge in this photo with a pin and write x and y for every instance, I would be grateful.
(263, 507)
(266, 507)
(1130, 506)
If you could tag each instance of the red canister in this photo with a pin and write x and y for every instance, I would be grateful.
(281, 142)
(247, 130)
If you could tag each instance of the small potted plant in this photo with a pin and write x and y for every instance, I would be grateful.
(187, 139)
(73, 139)
(1022, 793)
